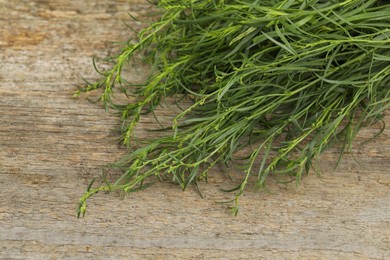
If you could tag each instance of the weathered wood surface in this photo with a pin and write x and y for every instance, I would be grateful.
(51, 145)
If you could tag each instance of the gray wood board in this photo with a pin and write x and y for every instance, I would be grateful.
(51, 145)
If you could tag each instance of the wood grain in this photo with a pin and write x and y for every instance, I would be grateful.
(51, 145)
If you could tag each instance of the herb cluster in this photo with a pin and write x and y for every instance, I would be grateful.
(278, 79)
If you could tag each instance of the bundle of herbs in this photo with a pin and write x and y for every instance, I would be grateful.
(280, 80)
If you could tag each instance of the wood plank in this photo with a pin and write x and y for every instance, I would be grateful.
(51, 145)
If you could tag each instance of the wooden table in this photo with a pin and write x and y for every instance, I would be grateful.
(51, 145)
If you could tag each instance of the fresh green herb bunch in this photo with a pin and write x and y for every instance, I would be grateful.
(278, 79)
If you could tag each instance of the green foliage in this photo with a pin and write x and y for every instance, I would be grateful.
(280, 79)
